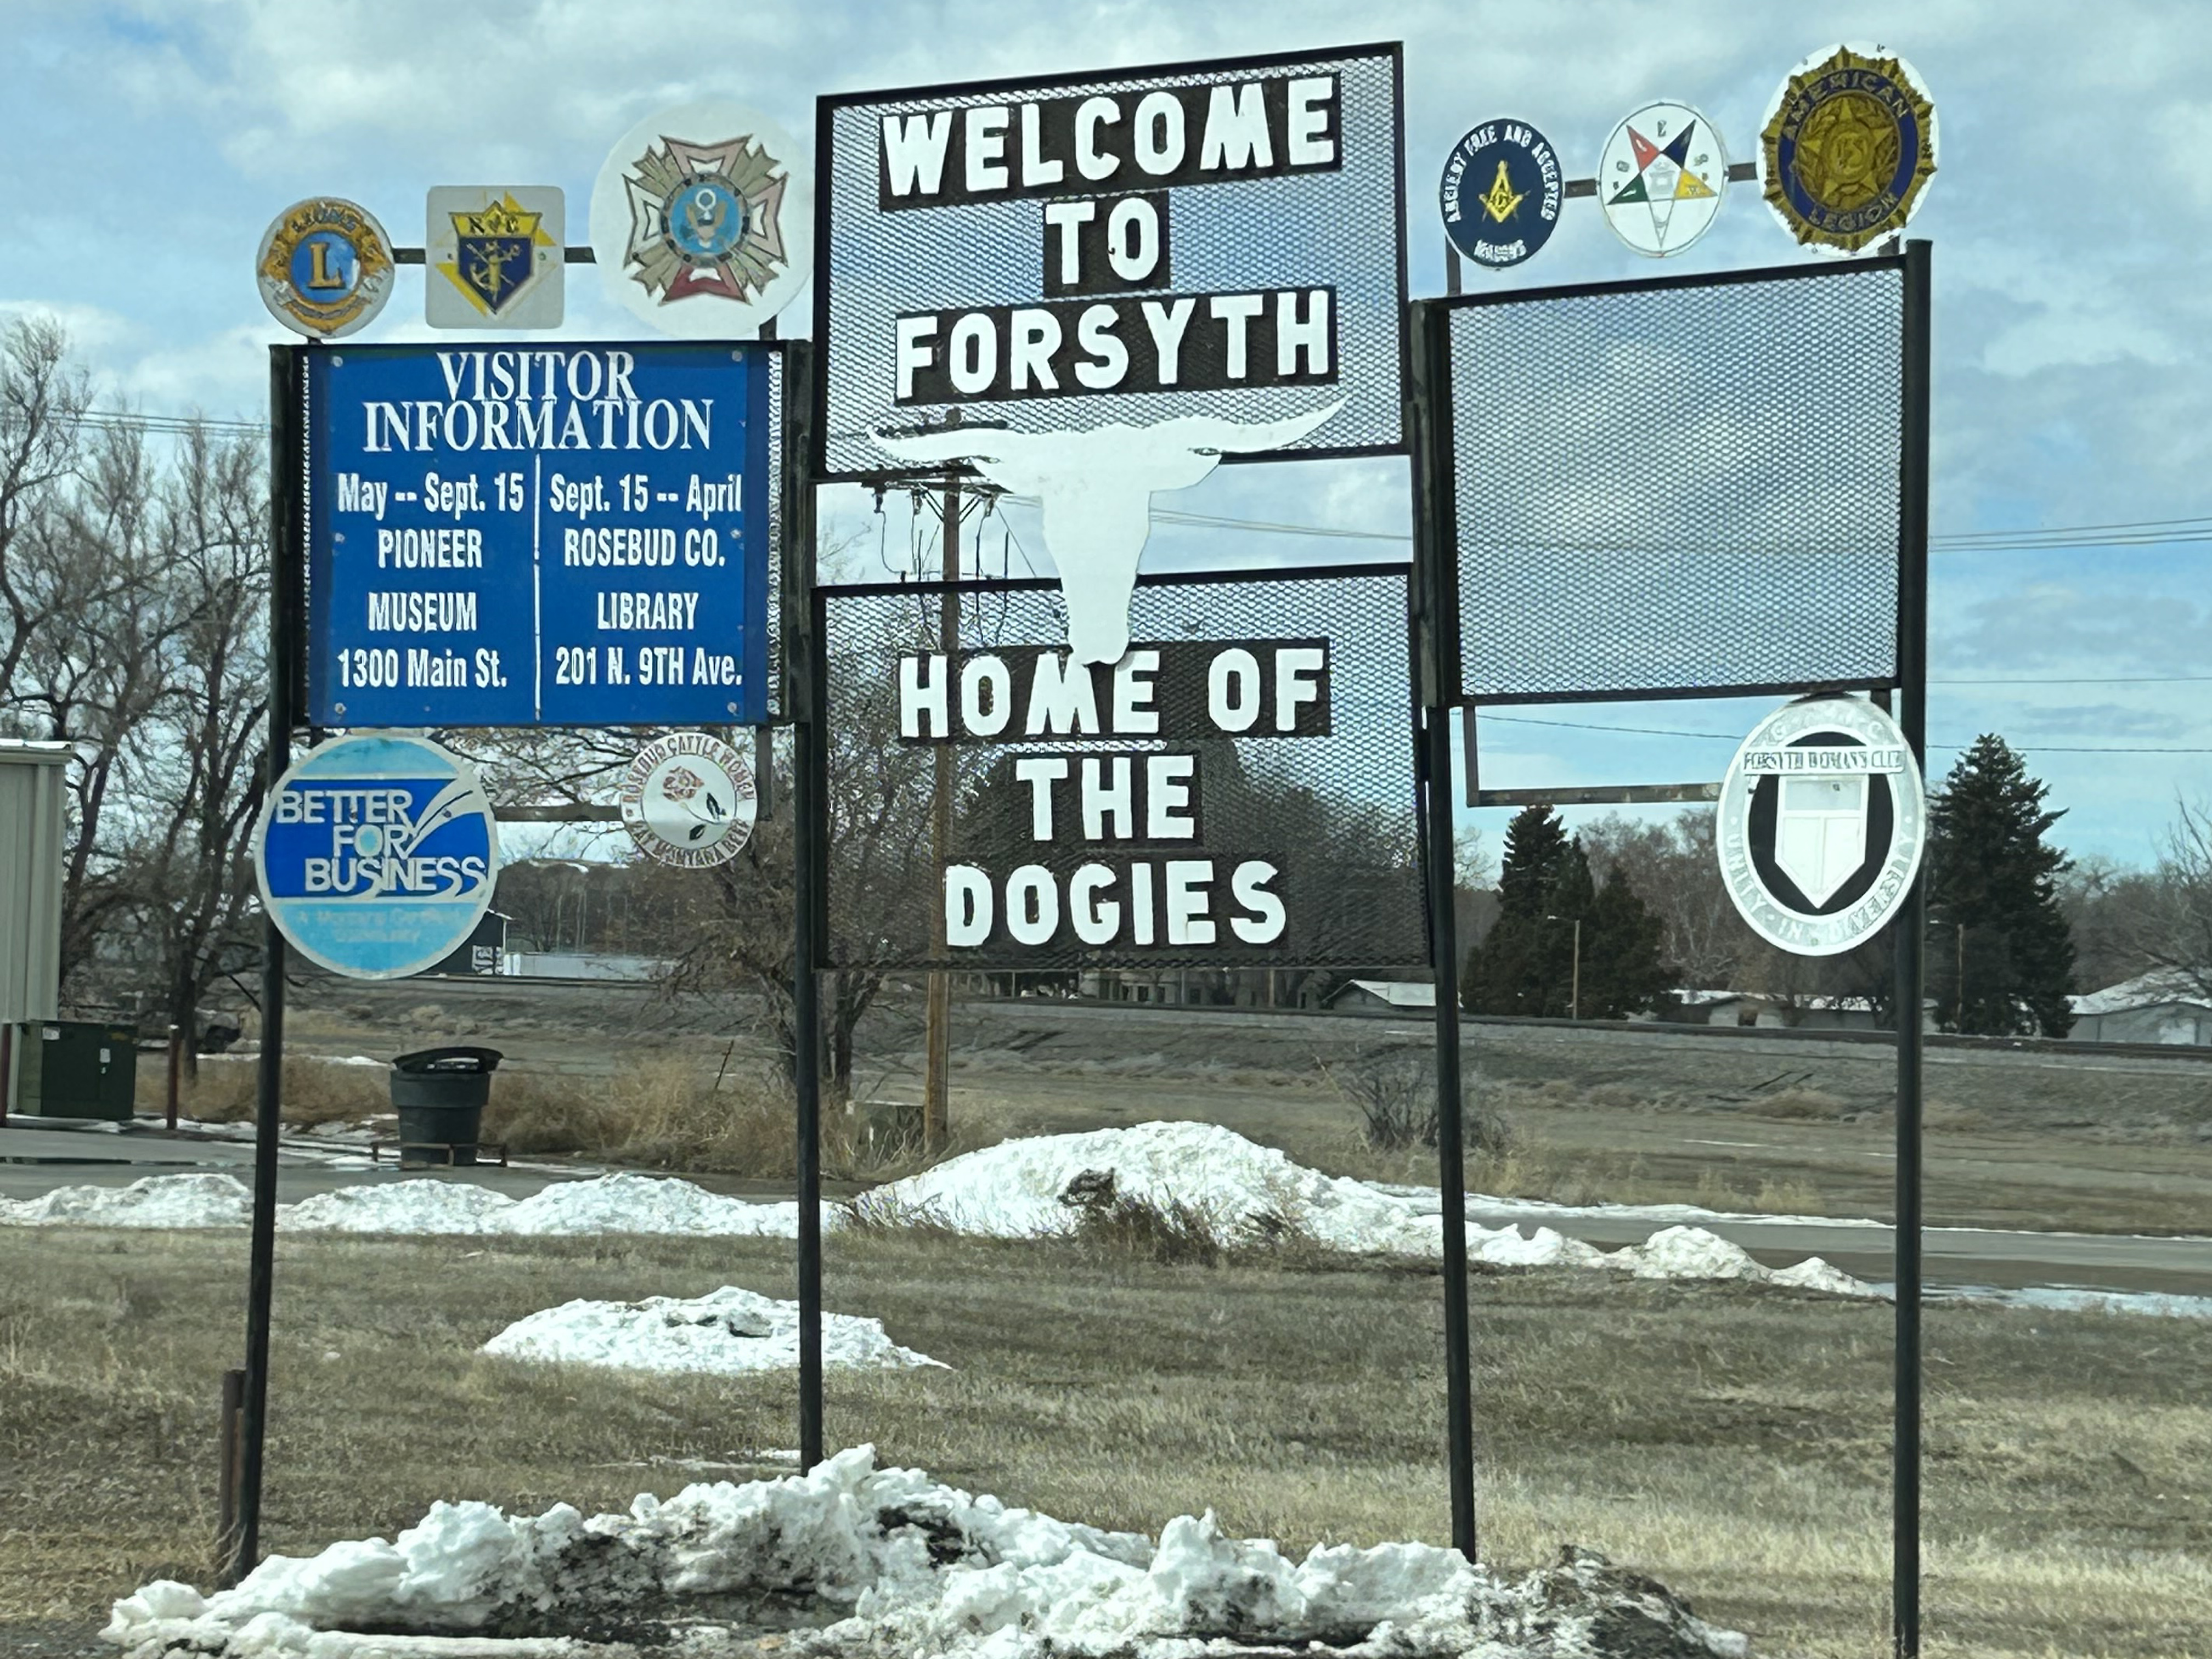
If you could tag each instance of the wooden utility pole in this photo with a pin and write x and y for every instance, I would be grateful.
(937, 1049)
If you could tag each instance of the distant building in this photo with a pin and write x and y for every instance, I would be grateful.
(2160, 1007)
(1756, 1008)
(580, 964)
(1383, 996)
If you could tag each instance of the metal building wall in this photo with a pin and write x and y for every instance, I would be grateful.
(31, 784)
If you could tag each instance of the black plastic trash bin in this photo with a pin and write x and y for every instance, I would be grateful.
(440, 1095)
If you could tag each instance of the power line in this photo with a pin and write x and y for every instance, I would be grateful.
(2171, 532)
(1737, 736)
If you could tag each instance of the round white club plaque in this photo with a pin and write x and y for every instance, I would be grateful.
(688, 800)
(1821, 821)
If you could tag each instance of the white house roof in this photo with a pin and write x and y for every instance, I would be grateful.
(1400, 993)
(2153, 990)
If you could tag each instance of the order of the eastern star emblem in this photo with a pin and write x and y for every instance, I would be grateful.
(1850, 147)
(1661, 178)
(325, 267)
(1501, 193)
(705, 219)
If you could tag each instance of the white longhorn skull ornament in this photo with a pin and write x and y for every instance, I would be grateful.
(1096, 489)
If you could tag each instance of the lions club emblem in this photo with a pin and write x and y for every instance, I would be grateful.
(496, 256)
(1849, 148)
(702, 220)
(325, 267)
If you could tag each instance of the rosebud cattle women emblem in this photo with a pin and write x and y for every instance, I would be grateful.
(688, 800)
(325, 267)
(702, 220)
(1849, 144)
(1821, 820)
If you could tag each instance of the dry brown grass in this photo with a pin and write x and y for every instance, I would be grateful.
(316, 1091)
(670, 1113)
(1730, 1442)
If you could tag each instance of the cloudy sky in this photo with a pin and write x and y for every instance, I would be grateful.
(148, 145)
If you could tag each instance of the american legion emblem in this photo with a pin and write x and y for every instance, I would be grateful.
(496, 257)
(1849, 146)
(1821, 821)
(1501, 193)
(325, 267)
(1661, 176)
(702, 220)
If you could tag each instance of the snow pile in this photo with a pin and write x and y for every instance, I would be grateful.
(177, 1200)
(1025, 1188)
(646, 1204)
(1693, 1253)
(1029, 1188)
(420, 1205)
(904, 1564)
(727, 1331)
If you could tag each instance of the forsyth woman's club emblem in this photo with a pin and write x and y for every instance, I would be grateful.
(701, 216)
(1820, 823)
(688, 800)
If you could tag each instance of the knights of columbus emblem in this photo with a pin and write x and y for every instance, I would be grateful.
(705, 219)
(499, 255)
(496, 253)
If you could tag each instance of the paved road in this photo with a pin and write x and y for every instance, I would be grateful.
(35, 1160)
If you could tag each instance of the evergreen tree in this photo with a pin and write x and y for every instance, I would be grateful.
(1526, 965)
(1623, 972)
(1999, 955)
(1505, 973)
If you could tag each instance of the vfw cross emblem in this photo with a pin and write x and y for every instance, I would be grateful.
(498, 256)
(1821, 821)
(702, 218)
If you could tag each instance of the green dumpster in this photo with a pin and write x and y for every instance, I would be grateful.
(75, 1068)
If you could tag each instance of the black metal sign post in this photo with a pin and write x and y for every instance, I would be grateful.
(804, 697)
(1791, 560)
(1910, 932)
(241, 1546)
(1436, 661)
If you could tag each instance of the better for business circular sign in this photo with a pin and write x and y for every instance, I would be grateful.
(377, 855)
(1821, 821)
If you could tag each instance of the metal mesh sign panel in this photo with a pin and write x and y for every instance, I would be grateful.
(1678, 486)
(1238, 791)
(1223, 239)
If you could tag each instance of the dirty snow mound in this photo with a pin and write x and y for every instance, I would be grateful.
(174, 1201)
(728, 1330)
(905, 1565)
(1693, 1253)
(1024, 1189)
(425, 1205)
(646, 1204)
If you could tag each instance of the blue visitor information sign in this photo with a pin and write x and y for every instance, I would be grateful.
(550, 534)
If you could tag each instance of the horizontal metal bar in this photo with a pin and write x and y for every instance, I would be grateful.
(1739, 173)
(569, 256)
(569, 814)
(1620, 794)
